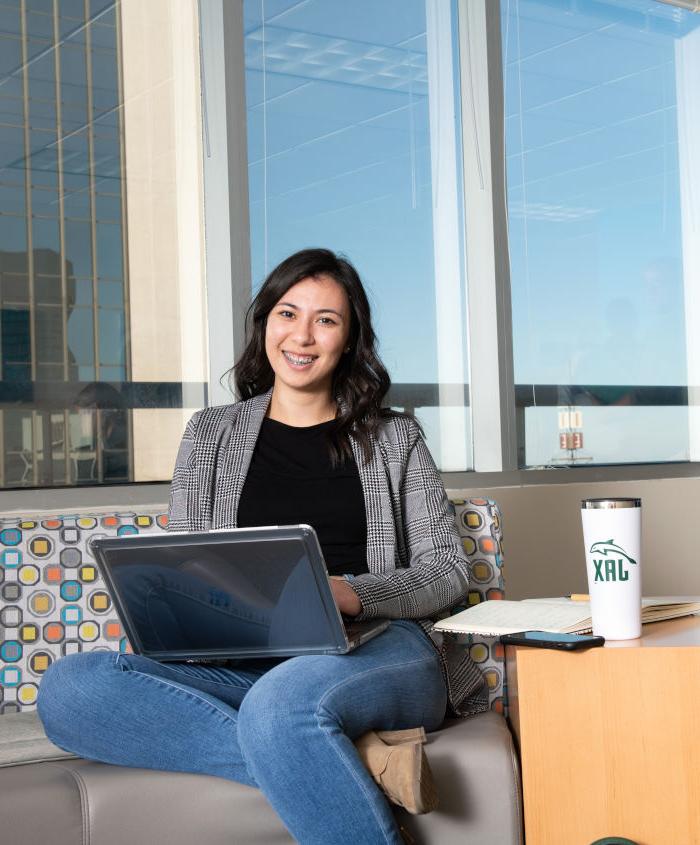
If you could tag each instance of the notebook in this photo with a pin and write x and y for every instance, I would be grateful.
(556, 615)
(223, 595)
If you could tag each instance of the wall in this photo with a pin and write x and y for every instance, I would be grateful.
(543, 543)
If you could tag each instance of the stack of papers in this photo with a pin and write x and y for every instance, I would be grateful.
(557, 615)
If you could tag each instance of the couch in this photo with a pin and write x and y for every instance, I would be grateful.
(53, 602)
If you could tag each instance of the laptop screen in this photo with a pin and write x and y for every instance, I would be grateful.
(231, 592)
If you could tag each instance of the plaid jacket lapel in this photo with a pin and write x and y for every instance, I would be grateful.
(381, 532)
(237, 447)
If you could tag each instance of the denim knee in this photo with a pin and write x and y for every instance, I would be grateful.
(64, 692)
(271, 713)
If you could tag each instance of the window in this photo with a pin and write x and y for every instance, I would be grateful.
(101, 249)
(602, 140)
(352, 145)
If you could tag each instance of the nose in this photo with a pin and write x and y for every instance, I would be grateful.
(303, 331)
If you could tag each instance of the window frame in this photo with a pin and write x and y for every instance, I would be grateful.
(495, 434)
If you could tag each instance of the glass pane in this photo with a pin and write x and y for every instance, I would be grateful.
(345, 153)
(75, 297)
(109, 250)
(45, 202)
(78, 237)
(47, 290)
(45, 235)
(81, 345)
(40, 24)
(105, 85)
(11, 152)
(77, 204)
(111, 294)
(71, 9)
(601, 142)
(111, 339)
(49, 334)
(13, 239)
(14, 288)
(16, 345)
(10, 21)
(108, 207)
(12, 199)
(10, 54)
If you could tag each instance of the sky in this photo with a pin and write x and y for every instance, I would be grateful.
(340, 156)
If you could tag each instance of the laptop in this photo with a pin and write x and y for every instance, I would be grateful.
(226, 594)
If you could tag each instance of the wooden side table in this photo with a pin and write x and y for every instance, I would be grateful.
(609, 738)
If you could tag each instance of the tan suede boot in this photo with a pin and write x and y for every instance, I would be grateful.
(406, 735)
(401, 770)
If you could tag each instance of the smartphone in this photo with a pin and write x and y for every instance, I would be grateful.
(545, 639)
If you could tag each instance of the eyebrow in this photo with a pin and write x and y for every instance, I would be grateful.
(319, 311)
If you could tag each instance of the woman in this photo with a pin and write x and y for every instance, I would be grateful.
(309, 442)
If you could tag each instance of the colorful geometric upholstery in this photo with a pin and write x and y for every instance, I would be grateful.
(479, 525)
(52, 599)
(53, 602)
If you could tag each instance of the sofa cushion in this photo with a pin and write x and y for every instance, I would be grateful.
(473, 763)
(22, 740)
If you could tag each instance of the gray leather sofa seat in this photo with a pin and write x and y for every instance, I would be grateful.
(47, 796)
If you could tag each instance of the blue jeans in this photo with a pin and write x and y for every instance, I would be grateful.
(286, 726)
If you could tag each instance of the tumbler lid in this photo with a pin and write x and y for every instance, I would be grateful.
(589, 504)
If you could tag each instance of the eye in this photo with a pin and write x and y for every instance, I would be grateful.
(329, 321)
(285, 313)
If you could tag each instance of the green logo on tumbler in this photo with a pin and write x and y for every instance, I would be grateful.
(611, 567)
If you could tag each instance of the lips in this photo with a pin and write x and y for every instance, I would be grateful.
(299, 361)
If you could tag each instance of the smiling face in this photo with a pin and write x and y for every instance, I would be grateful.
(306, 334)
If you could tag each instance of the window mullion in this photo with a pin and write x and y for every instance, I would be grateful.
(492, 395)
(227, 222)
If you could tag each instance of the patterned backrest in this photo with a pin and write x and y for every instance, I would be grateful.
(479, 525)
(52, 599)
(53, 602)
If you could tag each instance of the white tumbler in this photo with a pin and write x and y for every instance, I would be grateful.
(612, 535)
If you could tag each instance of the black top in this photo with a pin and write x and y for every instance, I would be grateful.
(291, 481)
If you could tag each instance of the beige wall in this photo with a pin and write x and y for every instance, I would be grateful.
(543, 544)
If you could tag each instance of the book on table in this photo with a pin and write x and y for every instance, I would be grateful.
(557, 615)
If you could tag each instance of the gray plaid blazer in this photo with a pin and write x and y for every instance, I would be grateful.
(417, 567)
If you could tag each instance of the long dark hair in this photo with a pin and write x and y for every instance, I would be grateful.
(360, 381)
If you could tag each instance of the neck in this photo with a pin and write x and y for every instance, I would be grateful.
(299, 409)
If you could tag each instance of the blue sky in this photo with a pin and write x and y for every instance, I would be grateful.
(339, 147)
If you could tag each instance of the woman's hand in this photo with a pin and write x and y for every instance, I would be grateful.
(345, 597)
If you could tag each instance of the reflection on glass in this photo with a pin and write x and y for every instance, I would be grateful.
(78, 240)
(13, 237)
(108, 207)
(62, 237)
(48, 323)
(345, 151)
(45, 234)
(110, 294)
(15, 343)
(111, 336)
(81, 339)
(595, 99)
(12, 199)
(11, 150)
(45, 202)
(47, 290)
(15, 288)
(109, 251)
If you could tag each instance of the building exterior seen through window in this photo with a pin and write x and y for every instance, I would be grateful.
(92, 260)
